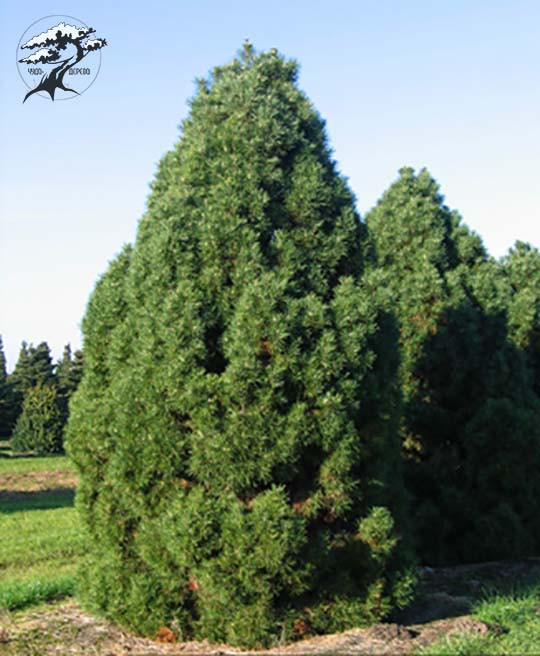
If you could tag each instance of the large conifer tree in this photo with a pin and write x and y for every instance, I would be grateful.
(235, 426)
(469, 427)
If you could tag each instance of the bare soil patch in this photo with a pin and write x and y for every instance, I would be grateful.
(37, 481)
(64, 628)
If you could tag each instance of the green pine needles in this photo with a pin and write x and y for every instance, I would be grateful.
(39, 427)
(261, 362)
(236, 426)
(469, 366)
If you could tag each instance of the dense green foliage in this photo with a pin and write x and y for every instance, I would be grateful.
(39, 426)
(235, 428)
(34, 399)
(8, 403)
(470, 413)
(521, 295)
(34, 367)
(277, 394)
(68, 374)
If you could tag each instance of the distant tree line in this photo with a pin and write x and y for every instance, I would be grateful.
(34, 398)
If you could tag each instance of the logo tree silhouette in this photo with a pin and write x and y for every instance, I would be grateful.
(50, 44)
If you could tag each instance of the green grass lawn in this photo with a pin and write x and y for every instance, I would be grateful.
(40, 543)
(515, 619)
(13, 463)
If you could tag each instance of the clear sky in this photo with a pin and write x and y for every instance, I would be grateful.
(453, 85)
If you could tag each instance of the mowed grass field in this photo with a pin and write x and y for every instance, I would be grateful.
(40, 538)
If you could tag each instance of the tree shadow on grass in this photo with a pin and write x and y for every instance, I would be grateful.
(7, 453)
(447, 592)
(16, 501)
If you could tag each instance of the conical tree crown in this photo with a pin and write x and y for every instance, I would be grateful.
(63, 367)
(20, 377)
(250, 185)
(521, 274)
(468, 403)
(234, 427)
(411, 219)
(410, 230)
(39, 427)
(77, 369)
(68, 374)
(33, 367)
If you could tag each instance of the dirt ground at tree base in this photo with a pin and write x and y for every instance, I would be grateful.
(66, 629)
(40, 481)
(446, 595)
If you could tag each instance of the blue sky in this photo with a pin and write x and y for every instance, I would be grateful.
(451, 85)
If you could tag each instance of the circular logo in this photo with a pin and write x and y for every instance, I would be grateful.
(59, 57)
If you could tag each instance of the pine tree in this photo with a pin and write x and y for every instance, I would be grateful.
(76, 371)
(520, 291)
(39, 427)
(20, 378)
(411, 235)
(34, 367)
(63, 367)
(235, 426)
(7, 399)
(41, 366)
(62, 374)
(68, 374)
(4, 394)
(469, 414)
